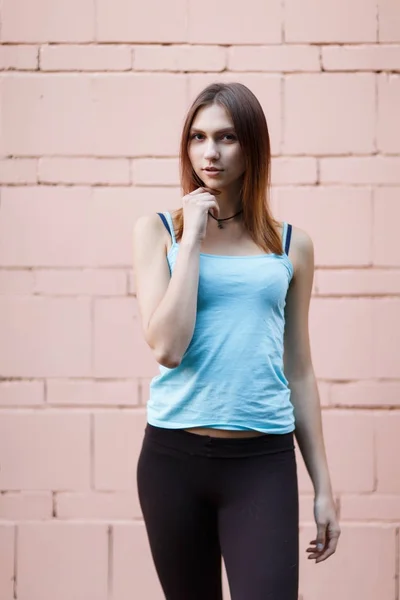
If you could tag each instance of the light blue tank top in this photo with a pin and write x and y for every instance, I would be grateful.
(231, 375)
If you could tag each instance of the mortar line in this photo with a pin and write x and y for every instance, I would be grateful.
(396, 567)
(15, 577)
(110, 557)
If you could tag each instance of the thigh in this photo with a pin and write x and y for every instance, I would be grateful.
(259, 527)
(182, 529)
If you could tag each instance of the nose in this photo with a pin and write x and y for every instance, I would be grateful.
(210, 151)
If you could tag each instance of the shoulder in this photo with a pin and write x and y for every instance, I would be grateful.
(149, 231)
(147, 222)
(301, 251)
(150, 224)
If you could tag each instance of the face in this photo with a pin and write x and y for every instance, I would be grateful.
(213, 143)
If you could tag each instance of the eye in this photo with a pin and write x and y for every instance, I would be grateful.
(229, 136)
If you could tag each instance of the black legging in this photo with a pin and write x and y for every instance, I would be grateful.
(203, 496)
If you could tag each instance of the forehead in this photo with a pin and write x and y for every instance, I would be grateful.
(213, 116)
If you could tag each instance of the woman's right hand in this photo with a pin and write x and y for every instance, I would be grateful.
(195, 212)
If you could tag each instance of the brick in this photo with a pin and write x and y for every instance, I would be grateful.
(155, 171)
(99, 221)
(387, 452)
(388, 128)
(361, 58)
(86, 58)
(125, 21)
(139, 126)
(114, 212)
(45, 337)
(21, 393)
(267, 89)
(332, 21)
(288, 171)
(7, 542)
(131, 284)
(367, 394)
(47, 21)
(273, 200)
(80, 393)
(225, 585)
(84, 171)
(358, 282)
(88, 282)
(31, 210)
(386, 324)
(360, 170)
(97, 505)
(117, 444)
(260, 23)
(351, 463)
(386, 249)
(37, 451)
(48, 115)
(389, 21)
(319, 122)
(130, 541)
(18, 170)
(338, 354)
(324, 389)
(319, 211)
(306, 508)
(119, 346)
(63, 561)
(69, 114)
(280, 58)
(21, 506)
(179, 58)
(370, 507)
(362, 567)
(19, 58)
(304, 480)
(16, 281)
(144, 383)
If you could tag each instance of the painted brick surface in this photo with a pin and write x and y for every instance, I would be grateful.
(92, 100)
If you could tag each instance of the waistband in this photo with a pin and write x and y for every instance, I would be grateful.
(187, 442)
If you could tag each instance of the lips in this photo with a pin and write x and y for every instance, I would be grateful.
(212, 170)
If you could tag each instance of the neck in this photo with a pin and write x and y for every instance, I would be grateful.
(229, 205)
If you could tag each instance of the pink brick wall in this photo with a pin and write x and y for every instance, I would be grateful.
(93, 94)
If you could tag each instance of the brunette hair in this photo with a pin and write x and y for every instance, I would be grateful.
(252, 132)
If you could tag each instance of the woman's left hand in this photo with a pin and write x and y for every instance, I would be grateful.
(328, 530)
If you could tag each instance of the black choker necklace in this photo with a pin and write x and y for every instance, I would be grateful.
(227, 219)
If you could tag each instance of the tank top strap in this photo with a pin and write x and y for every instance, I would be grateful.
(286, 236)
(167, 219)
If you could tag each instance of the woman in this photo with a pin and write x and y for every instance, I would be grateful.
(223, 292)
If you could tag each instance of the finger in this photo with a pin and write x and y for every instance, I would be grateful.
(199, 190)
(203, 189)
(213, 190)
(321, 536)
(330, 549)
(326, 554)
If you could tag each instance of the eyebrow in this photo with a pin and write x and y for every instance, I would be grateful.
(196, 130)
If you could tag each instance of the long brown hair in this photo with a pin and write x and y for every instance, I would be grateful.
(252, 132)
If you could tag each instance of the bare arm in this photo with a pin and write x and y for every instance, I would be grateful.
(167, 304)
(298, 364)
(304, 393)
